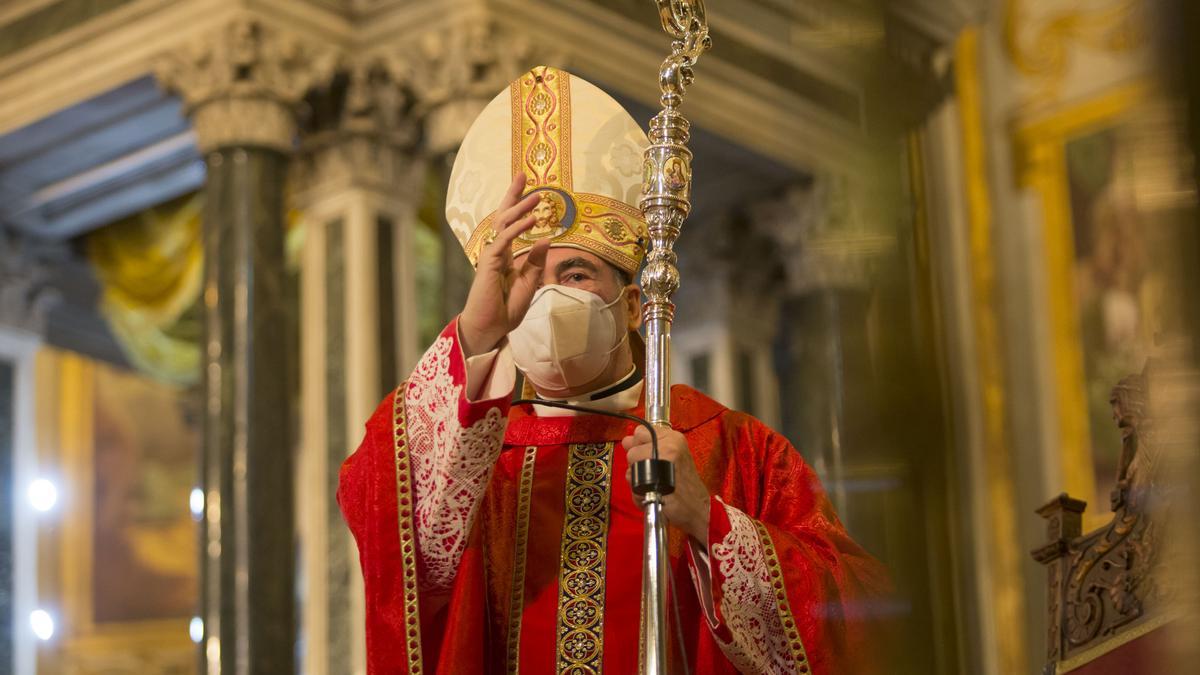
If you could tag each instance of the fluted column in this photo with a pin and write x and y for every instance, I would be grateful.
(357, 187)
(25, 299)
(828, 248)
(241, 87)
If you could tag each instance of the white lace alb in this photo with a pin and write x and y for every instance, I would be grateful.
(451, 464)
(748, 602)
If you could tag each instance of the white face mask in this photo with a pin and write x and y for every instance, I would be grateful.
(567, 339)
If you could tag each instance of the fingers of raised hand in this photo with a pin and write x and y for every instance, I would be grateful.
(535, 261)
(507, 217)
(511, 223)
(507, 233)
(513, 193)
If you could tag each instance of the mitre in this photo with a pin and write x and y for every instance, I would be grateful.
(580, 150)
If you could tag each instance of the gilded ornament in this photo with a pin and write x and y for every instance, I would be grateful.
(516, 604)
(1116, 29)
(614, 228)
(408, 548)
(581, 577)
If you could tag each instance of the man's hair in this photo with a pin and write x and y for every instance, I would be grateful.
(624, 277)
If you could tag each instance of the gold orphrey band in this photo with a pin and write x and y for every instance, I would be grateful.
(516, 604)
(581, 572)
(790, 630)
(408, 539)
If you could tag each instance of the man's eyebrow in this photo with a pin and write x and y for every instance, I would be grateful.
(575, 262)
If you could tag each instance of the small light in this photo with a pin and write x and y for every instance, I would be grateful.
(196, 502)
(42, 624)
(42, 494)
(196, 629)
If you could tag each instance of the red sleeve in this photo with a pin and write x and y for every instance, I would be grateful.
(790, 591)
(409, 495)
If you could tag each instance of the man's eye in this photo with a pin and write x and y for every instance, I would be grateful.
(577, 277)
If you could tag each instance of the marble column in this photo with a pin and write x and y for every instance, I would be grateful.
(26, 297)
(8, 608)
(241, 87)
(824, 353)
(356, 185)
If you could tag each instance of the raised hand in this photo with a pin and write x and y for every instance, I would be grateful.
(502, 290)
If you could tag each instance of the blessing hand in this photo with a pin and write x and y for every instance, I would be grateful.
(687, 507)
(502, 289)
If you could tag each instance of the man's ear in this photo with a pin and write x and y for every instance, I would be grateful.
(633, 306)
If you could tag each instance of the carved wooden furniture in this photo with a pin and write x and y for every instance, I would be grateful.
(1106, 588)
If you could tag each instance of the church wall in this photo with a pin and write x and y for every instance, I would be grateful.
(1034, 75)
(988, 229)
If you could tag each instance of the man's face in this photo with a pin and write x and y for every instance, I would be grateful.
(581, 269)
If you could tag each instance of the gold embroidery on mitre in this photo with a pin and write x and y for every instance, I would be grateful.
(605, 226)
(540, 109)
(541, 127)
(580, 645)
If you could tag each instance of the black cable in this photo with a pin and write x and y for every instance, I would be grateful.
(654, 457)
(678, 624)
(584, 409)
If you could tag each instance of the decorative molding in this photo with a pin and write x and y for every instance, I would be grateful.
(360, 131)
(242, 85)
(600, 44)
(454, 72)
(1115, 28)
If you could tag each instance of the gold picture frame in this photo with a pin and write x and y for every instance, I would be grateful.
(1041, 151)
(67, 404)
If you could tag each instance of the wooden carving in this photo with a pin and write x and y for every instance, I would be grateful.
(1103, 584)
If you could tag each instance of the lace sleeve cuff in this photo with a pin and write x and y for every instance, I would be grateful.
(752, 622)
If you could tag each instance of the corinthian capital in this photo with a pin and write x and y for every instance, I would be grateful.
(825, 234)
(241, 85)
(359, 131)
(454, 72)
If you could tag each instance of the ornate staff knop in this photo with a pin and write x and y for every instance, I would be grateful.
(666, 186)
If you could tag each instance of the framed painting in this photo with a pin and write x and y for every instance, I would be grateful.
(1102, 170)
(122, 568)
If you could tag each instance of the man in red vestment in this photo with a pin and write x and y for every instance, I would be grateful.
(501, 539)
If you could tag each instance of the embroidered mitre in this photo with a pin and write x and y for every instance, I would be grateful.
(579, 149)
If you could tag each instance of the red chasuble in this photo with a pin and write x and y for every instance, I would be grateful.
(494, 540)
